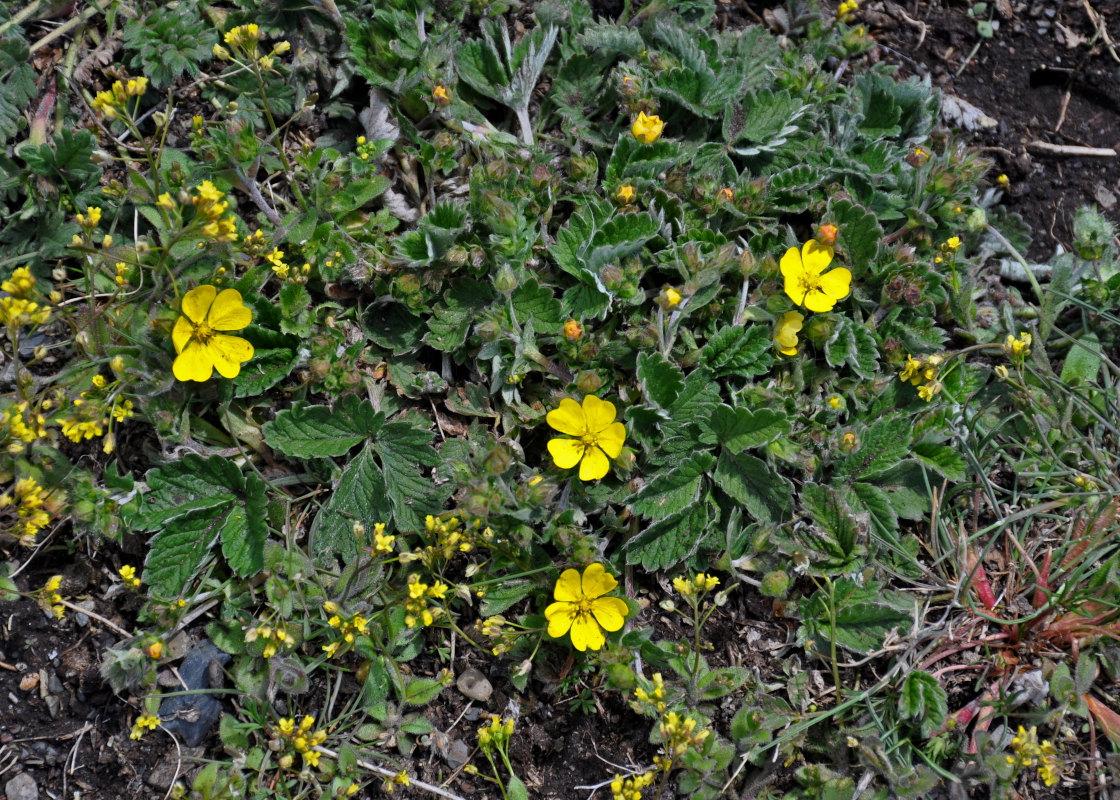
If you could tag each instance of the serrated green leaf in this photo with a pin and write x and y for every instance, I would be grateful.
(321, 431)
(531, 301)
(859, 235)
(765, 119)
(737, 350)
(660, 380)
(673, 491)
(761, 490)
(632, 160)
(452, 318)
(944, 460)
(670, 541)
(403, 451)
(617, 238)
(395, 328)
(884, 444)
(359, 496)
(922, 699)
(500, 597)
(866, 497)
(192, 484)
(740, 429)
(837, 529)
(861, 616)
(179, 549)
(244, 532)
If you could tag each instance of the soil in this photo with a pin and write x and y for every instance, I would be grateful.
(1047, 74)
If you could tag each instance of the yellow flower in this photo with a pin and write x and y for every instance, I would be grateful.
(128, 574)
(197, 340)
(910, 370)
(786, 337)
(836, 401)
(805, 283)
(572, 330)
(598, 437)
(726, 194)
(670, 297)
(441, 95)
(581, 608)
(647, 129)
(952, 244)
(625, 194)
(243, 35)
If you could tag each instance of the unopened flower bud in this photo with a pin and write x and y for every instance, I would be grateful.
(774, 584)
(505, 281)
(589, 382)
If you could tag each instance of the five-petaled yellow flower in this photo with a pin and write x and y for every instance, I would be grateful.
(786, 337)
(582, 609)
(598, 437)
(647, 129)
(807, 283)
(197, 338)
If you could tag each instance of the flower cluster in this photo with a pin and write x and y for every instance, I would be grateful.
(275, 639)
(144, 723)
(1017, 348)
(197, 336)
(51, 598)
(923, 373)
(1029, 751)
(697, 585)
(210, 208)
(30, 500)
(654, 698)
(348, 627)
(495, 735)
(303, 738)
(21, 425)
(383, 542)
(598, 438)
(128, 575)
(846, 9)
(416, 604)
(630, 788)
(22, 306)
(582, 609)
(110, 103)
(389, 784)
(678, 735)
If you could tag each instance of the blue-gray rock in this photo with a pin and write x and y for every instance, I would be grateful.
(191, 716)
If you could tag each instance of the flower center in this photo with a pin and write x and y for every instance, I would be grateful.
(809, 283)
(589, 440)
(202, 333)
(583, 607)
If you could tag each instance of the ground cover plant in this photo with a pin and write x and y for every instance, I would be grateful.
(382, 353)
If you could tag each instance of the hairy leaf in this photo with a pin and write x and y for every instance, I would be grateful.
(321, 431)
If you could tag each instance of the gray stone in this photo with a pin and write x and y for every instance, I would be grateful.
(474, 685)
(190, 716)
(22, 787)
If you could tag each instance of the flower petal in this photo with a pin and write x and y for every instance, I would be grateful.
(229, 313)
(597, 581)
(816, 257)
(566, 452)
(568, 587)
(181, 333)
(610, 612)
(791, 265)
(228, 353)
(598, 413)
(560, 617)
(818, 301)
(594, 465)
(193, 364)
(586, 633)
(837, 283)
(568, 418)
(197, 302)
(611, 439)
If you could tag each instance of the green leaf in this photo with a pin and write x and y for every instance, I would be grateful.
(674, 491)
(721, 682)
(1083, 363)
(740, 351)
(922, 699)
(452, 318)
(761, 490)
(670, 541)
(421, 691)
(740, 429)
(321, 431)
(619, 237)
(863, 616)
(501, 596)
(943, 460)
(885, 444)
(660, 380)
(632, 160)
(859, 235)
(245, 530)
(764, 119)
(403, 451)
(192, 484)
(837, 530)
(394, 327)
(516, 789)
(360, 495)
(531, 301)
(177, 552)
(867, 497)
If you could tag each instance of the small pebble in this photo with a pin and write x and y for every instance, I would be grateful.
(474, 685)
(22, 787)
